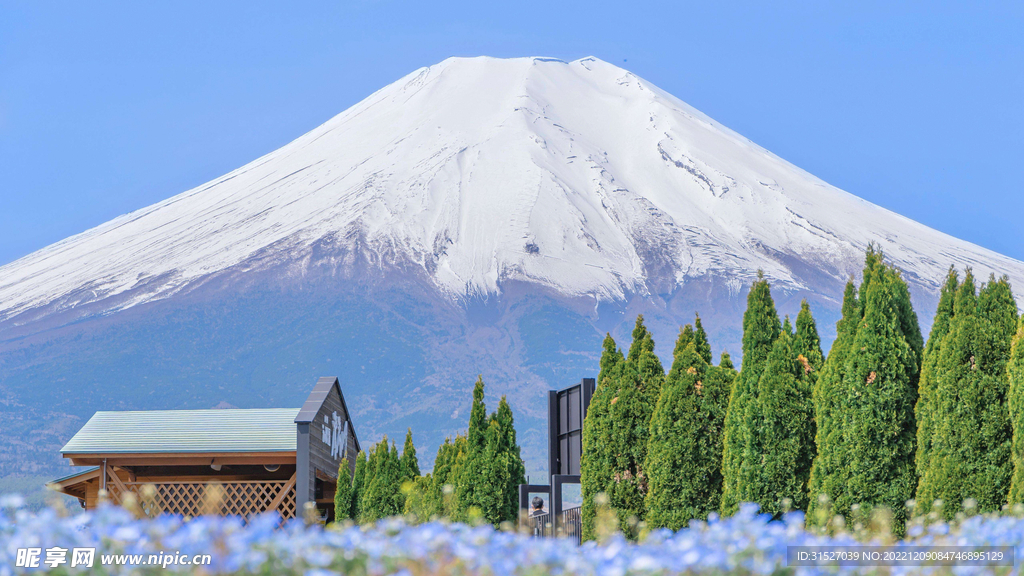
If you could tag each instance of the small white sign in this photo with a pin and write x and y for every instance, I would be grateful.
(335, 434)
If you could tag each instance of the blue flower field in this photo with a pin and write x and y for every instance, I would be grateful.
(747, 543)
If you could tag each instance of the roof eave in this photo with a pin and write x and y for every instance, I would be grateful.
(316, 399)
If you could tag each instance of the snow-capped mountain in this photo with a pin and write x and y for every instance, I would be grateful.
(480, 216)
(578, 176)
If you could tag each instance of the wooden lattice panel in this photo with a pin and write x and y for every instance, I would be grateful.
(242, 498)
(287, 507)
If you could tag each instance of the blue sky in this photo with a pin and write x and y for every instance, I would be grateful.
(106, 108)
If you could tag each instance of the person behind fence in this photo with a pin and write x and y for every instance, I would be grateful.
(539, 514)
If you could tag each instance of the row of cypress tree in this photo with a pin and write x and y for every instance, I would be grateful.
(476, 475)
(769, 435)
(964, 430)
(375, 490)
(651, 441)
(883, 419)
(865, 398)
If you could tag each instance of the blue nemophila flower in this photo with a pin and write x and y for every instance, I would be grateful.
(747, 543)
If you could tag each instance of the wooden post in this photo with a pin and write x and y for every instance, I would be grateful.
(122, 489)
(276, 502)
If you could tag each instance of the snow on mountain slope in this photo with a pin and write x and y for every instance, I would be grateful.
(579, 176)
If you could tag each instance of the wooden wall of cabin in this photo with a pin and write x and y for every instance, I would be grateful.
(320, 458)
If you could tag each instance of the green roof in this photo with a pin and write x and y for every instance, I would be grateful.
(160, 431)
(76, 473)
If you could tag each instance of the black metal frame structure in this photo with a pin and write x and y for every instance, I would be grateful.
(567, 409)
(556, 502)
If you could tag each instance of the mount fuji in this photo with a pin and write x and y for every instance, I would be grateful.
(479, 216)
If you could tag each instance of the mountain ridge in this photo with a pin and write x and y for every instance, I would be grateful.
(659, 211)
(478, 216)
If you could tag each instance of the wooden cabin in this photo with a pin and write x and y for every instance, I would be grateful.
(258, 459)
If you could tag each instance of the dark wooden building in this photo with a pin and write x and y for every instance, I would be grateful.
(230, 462)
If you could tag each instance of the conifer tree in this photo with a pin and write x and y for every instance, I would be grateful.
(505, 463)
(685, 445)
(616, 431)
(597, 454)
(382, 497)
(723, 377)
(828, 472)
(700, 341)
(684, 339)
(761, 327)
(452, 504)
(395, 462)
(1015, 372)
(639, 342)
(879, 390)
(489, 491)
(630, 413)
(343, 493)
(781, 458)
(418, 504)
(971, 430)
(410, 464)
(808, 343)
(470, 485)
(924, 409)
(476, 435)
(442, 499)
(440, 478)
(358, 484)
(998, 306)
(498, 490)
(611, 356)
(649, 373)
(369, 472)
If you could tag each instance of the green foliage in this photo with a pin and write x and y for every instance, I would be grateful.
(640, 336)
(611, 357)
(785, 448)
(410, 466)
(434, 498)
(343, 493)
(925, 407)
(476, 436)
(878, 394)
(700, 341)
(382, 495)
(865, 400)
(451, 457)
(418, 505)
(970, 425)
(506, 462)
(685, 445)
(761, 328)
(472, 466)
(725, 361)
(808, 343)
(478, 475)
(639, 385)
(1015, 372)
(497, 489)
(358, 485)
(616, 431)
(597, 455)
(828, 472)
(684, 340)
